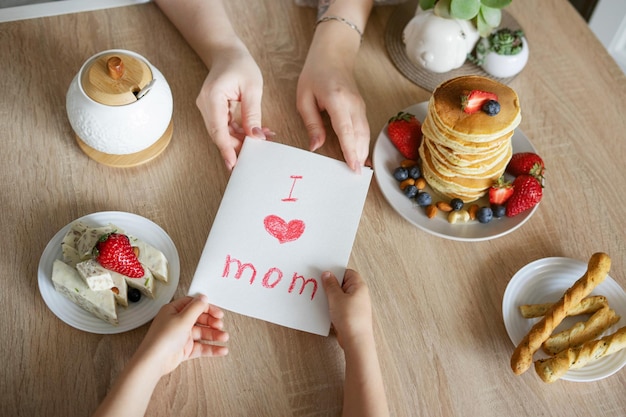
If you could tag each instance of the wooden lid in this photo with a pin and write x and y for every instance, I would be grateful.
(115, 79)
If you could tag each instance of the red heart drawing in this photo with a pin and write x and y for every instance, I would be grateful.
(283, 231)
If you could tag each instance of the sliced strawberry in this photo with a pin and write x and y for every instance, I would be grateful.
(500, 191)
(525, 163)
(527, 193)
(113, 251)
(405, 132)
(473, 101)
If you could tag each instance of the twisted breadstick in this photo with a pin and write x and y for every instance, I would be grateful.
(588, 305)
(597, 269)
(582, 331)
(551, 369)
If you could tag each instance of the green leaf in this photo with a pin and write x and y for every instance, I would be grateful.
(496, 4)
(427, 4)
(484, 28)
(491, 16)
(442, 9)
(464, 9)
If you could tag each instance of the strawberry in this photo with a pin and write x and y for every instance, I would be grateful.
(474, 100)
(500, 191)
(527, 193)
(525, 163)
(405, 132)
(113, 251)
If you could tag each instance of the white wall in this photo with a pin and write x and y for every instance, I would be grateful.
(608, 22)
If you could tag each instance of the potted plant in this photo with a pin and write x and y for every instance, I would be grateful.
(485, 15)
(503, 53)
(443, 32)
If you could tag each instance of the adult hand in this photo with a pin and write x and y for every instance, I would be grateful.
(234, 84)
(327, 83)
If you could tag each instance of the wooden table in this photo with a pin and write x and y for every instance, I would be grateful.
(438, 320)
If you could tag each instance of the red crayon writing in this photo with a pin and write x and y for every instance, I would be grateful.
(271, 278)
(295, 178)
(282, 230)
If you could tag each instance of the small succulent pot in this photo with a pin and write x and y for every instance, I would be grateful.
(502, 54)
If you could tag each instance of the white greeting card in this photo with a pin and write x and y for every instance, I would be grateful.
(286, 216)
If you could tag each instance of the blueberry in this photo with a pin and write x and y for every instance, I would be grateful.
(424, 199)
(456, 204)
(401, 173)
(499, 210)
(410, 191)
(134, 295)
(484, 214)
(491, 107)
(414, 172)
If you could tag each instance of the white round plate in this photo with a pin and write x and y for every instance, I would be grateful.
(387, 158)
(136, 314)
(545, 280)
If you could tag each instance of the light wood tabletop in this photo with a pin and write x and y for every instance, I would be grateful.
(441, 338)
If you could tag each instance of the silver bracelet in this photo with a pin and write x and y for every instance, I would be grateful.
(342, 20)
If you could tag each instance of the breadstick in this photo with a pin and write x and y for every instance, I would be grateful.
(581, 332)
(588, 305)
(551, 369)
(597, 269)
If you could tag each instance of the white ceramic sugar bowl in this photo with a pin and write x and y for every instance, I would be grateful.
(119, 104)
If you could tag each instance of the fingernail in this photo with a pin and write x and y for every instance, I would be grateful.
(315, 144)
(326, 275)
(258, 133)
(203, 298)
(228, 165)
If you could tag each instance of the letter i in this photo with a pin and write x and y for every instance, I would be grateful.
(295, 178)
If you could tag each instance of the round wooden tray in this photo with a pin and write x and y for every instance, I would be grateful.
(131, 159)
(418, 75)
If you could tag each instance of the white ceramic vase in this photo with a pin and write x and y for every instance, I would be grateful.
(438, 44)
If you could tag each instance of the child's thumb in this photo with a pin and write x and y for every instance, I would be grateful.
(330, 283)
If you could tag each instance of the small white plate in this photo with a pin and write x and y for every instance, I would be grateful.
(545, 280)
(386, 159)
(136, 314)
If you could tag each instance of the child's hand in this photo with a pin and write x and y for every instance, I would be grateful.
(184, 329)
(350, 308)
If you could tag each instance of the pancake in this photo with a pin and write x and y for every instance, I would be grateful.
(476, 127)
(460, 145)
(448, 163)
(463, 154)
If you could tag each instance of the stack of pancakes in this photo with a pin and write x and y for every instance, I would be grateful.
(463, 154)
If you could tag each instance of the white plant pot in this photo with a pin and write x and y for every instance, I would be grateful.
(503, 66)
(438, 44)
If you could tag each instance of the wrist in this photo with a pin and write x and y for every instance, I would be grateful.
(226, 51)
(358, 343)
(334, 18)
(330, 45)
